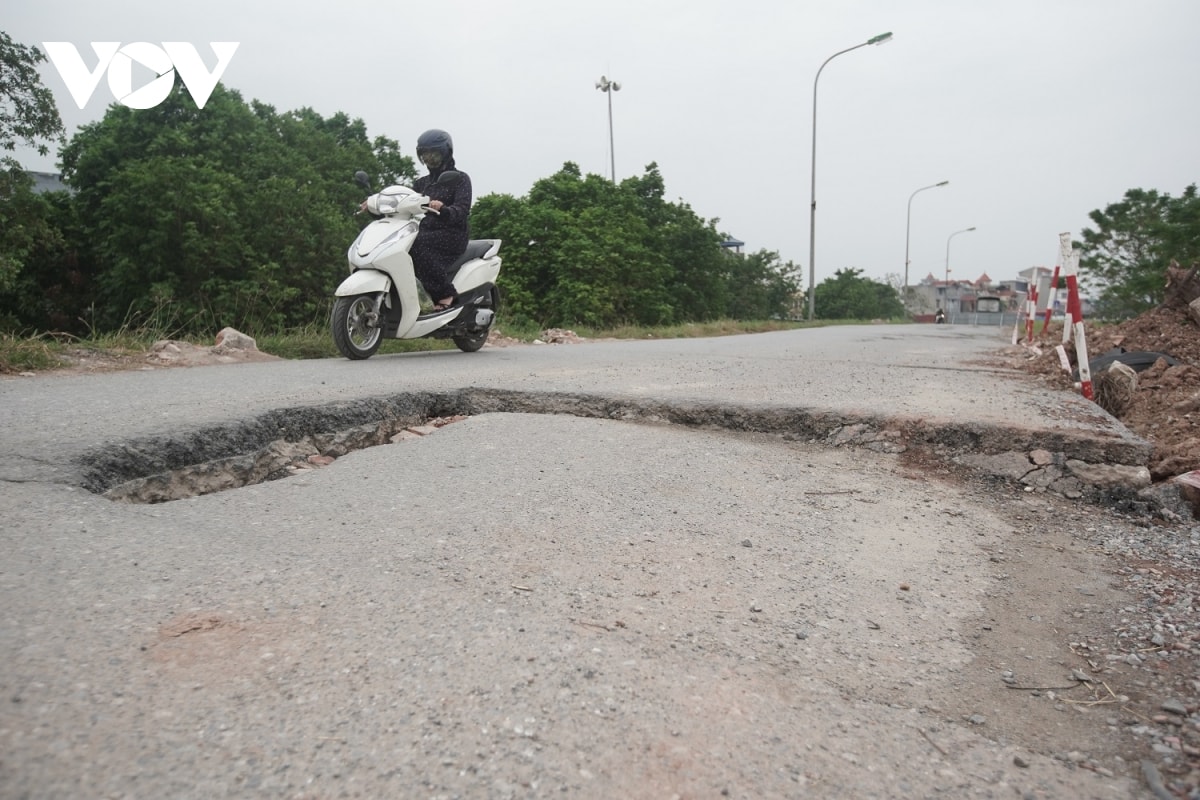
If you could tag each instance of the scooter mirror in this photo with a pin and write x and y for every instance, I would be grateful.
(362, 180)
(449, 176)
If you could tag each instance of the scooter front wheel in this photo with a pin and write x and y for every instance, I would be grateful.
(355, 326)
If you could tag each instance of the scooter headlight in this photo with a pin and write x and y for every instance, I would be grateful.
(383, 204)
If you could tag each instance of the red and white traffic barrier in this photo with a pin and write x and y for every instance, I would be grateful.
(1050, 299)
(1074, 321)
(1031, 309)
(1016, 335)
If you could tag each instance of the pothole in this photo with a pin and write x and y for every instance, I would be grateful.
(186, 463)
(281, 443)
(279, 459)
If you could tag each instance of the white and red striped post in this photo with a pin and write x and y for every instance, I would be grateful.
(1075, 317)
(1031, 309)
(1050, 299)
(1016, 334)
(1064, 254)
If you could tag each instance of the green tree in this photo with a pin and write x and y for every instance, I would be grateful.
(233, 214)
(848, 295)
(580, 250)
(52, 292)
(1125, 257)
(28, 116)
(760, 286)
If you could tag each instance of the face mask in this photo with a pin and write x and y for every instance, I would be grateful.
(432, 159)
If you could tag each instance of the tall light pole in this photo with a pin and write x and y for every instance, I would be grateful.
(812, 208)
(948, 238)
(907, 227)
(608, 87)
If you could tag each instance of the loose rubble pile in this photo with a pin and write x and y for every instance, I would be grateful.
(1159, 402)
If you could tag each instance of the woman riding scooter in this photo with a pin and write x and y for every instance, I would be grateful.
(443, 236)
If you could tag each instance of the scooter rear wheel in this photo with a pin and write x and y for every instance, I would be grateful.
(472, 341)
(356, 330)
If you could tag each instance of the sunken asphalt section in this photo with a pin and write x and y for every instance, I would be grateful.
(557, 603)
(886, 388)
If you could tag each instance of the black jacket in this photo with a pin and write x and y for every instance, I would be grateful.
(452, 222)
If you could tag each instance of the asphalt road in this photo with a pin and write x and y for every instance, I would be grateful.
(931, 376)
(573, 602)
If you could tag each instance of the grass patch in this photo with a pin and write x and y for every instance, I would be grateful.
(696, 330)
(29, 354)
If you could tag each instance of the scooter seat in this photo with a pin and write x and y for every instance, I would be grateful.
(476, 248)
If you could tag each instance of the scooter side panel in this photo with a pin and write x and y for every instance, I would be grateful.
(423, 326)
(476, 273)
(363, 281)
(380, 231)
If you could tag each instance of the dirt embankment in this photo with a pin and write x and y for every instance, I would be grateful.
(1161, 402)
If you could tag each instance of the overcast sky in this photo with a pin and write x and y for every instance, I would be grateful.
(1035, 111)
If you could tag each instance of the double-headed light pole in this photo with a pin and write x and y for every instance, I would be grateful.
(608, 87)
(907, 227)
(812, 215)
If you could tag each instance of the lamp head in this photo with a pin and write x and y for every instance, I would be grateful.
(943, 183)
(882, 38)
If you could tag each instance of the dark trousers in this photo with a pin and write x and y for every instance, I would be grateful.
(433, 253)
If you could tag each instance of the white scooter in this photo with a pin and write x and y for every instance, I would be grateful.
(382, 296)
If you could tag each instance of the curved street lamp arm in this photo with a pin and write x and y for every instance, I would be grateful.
(907, 227)
(812, 208)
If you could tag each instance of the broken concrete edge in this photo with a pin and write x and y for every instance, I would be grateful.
(114, 463)
(1124, 487)
(1105, 469)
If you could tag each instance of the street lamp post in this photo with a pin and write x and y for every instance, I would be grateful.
(608, 87)
(907, 227)
(948, 238)
(812, 208)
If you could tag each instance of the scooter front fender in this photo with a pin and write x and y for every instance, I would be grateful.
(364, 281)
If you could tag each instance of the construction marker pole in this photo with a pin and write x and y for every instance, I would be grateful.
(1064, 253)
(1064, 257)
(1050, 300)
(1081, 355)
(1030, 313)
(1076, 307)
(1016, 337)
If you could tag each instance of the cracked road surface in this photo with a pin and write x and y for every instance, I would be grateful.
(537, 601)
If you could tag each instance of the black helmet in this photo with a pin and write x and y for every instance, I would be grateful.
(435, 148)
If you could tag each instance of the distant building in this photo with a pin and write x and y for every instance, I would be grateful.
(47, 182)
(952, 296)
(961, 297)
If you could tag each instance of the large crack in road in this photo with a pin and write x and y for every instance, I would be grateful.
(278, 443)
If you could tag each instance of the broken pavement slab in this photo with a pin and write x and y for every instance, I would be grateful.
(885, 388)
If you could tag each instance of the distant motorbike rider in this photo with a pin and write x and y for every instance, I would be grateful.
(443, 236)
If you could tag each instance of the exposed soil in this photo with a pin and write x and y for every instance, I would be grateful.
(1163, 407)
